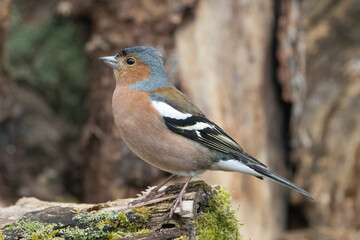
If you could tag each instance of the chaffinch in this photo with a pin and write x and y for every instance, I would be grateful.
(164, 128)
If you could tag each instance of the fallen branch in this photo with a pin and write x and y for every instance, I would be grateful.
(206, 210)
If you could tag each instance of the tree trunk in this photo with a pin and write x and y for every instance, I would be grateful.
(226, 61)
(326, 123)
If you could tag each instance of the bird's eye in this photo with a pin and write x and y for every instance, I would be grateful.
(130, 61)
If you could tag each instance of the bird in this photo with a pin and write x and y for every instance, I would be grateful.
(165, 129)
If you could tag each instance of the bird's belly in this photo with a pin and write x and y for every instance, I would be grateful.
(175, 155)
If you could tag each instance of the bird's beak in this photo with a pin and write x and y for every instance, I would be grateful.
(110, 61)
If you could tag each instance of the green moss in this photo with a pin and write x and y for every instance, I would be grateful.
(113, 235)
(33, 229)
(143, 231)
(94, 225)
(2, 237)
(206, 187)
(218, 221)
(143, 212)
(182, 238)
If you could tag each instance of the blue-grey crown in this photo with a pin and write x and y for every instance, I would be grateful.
(147, 55)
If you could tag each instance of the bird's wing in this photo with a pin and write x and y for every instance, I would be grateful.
(184, 118)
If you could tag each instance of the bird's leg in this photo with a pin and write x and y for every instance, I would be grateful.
(153, 191)
(178, 201)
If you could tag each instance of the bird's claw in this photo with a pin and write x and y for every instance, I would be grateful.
(176, 203)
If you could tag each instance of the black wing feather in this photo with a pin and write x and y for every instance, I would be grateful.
(212, 137)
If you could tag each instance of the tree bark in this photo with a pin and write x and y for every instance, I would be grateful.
(225, 56)
(326, 126)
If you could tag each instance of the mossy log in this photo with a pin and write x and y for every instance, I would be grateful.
(206, 214)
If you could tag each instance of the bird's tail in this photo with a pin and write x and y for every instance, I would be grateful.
(277, 178)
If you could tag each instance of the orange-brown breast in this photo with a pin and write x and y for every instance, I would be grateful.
(144, 131)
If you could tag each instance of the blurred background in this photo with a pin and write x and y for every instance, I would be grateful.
(281, 77)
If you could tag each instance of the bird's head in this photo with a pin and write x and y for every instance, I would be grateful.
(138, 67)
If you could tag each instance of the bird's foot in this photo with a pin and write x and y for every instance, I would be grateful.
(176, 203)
